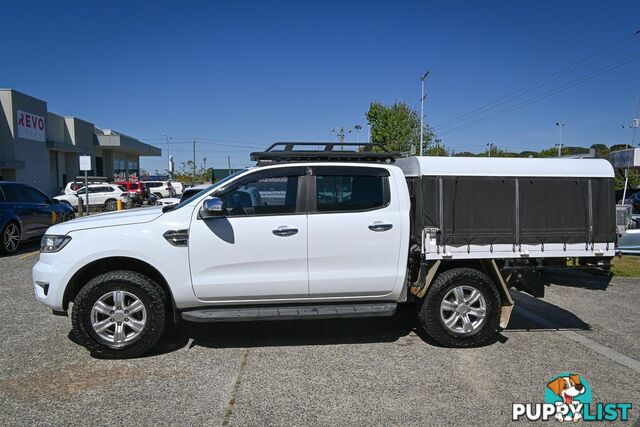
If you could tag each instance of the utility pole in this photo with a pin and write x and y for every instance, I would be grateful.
(635, 124)
(560, 125)
(357, 128)
(194, 161)
(340, 133)
(422, 97)
(229, 163)
(490, 146)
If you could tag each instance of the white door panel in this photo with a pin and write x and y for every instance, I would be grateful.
(242, 258)
(348, 258)
(354, 234)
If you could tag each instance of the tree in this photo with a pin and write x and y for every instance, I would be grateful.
(602, 151)
(396, 127)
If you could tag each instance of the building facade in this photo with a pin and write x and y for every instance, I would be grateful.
(42, 148)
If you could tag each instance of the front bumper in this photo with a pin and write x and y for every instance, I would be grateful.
(49, 282)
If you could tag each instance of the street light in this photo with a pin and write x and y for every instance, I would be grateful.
(490, 146)
(357, 128)
(169, 157)
(422, 97)
(560, 145)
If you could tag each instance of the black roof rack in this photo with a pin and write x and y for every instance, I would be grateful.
(323, 151)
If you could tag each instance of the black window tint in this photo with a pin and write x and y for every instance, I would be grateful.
(339, 193)
(265, 196)
(13, 193)
(2, 199)
(31, 195)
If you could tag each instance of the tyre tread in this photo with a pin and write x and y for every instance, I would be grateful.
(83, 304)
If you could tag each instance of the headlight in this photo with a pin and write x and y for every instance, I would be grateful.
(50, 243)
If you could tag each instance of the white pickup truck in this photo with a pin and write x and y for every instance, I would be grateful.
(331, 233)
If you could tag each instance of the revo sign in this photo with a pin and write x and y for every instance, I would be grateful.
(30, 126)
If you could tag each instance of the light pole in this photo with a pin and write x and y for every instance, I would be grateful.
(626, 134)
(169, 157)
(560, 145)
(194, 161)
(490, 146)
(357, 128)
(422, 97)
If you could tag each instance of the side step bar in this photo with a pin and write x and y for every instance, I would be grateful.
(240, 314)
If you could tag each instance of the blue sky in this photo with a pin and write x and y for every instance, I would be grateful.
(240, 75)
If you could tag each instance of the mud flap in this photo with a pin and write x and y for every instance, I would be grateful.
(507, 302)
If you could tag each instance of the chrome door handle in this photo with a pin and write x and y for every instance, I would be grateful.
(380, 226)
(284, 231)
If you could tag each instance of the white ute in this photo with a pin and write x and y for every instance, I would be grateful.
(331, 233)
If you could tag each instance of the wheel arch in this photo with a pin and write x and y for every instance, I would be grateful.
(103, 265)
(486, 266)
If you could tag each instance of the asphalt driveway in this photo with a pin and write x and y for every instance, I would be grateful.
(375, 371)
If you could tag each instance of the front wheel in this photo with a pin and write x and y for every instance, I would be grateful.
(10, 238)
(461, 309)
(119, 314)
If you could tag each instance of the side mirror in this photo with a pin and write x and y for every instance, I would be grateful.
(212, 208)
(54, 201)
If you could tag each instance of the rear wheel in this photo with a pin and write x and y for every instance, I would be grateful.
(10, 238)
(119, 314)
(110, 205)
(461, 309)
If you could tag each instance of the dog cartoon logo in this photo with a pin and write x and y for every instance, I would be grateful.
(568, 391)
(568, 397)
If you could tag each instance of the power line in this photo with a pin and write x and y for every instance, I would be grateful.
(608, 68)
(599, 54)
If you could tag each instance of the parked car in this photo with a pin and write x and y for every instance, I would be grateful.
(26, 213)
(134, 189)
(191, 191)
(105, 195)
(159, 189)
(178, 187)
(73, 186)
(262, 245)
(167, 201)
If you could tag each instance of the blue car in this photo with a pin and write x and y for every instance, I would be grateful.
(26, 213)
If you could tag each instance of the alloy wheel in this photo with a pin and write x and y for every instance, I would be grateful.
(11, 238)
(118, 318)
(463, 310)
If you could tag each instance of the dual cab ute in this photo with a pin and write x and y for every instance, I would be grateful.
(331, 233)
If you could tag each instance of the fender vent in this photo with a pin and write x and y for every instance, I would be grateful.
(177, 237)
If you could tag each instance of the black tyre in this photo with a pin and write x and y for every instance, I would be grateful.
(119, 314)
(461, 309)
(110, 205)
(10, 238)
(68, 216)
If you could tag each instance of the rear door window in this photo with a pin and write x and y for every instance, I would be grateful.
(351, 189)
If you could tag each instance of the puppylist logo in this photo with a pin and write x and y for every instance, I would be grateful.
(568, 397)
